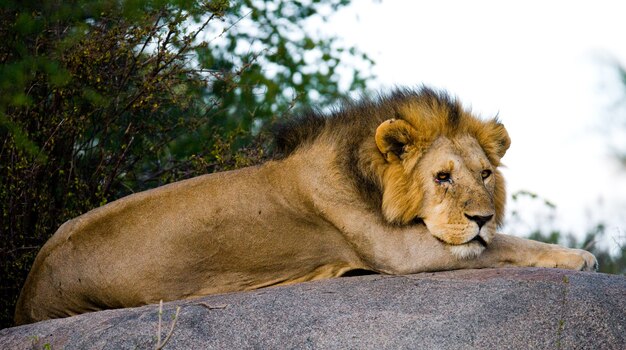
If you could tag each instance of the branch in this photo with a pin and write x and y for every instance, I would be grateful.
(230, 27)
(183, 49)
(119, 160)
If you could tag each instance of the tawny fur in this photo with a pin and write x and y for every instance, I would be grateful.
(360, 188)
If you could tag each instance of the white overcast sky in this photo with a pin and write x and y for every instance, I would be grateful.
(543, 66)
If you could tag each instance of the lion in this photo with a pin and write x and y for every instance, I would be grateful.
(401, 183)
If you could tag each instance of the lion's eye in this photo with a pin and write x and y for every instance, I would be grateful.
(442, 176)
(485, 174)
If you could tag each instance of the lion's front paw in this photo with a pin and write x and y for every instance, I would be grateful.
(589, 261)
(572, 259)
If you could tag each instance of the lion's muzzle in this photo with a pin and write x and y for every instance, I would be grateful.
(480, 220)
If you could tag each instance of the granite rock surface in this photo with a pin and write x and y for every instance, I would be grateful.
(513, 308)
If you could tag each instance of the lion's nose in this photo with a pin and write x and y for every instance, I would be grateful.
(479, 219)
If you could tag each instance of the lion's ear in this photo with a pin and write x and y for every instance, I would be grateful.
(392, 137)
(502, 139)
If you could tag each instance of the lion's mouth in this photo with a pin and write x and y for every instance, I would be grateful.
(478, 239)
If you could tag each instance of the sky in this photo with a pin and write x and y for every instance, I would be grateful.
(546, 68)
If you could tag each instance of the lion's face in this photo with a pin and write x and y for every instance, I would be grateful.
(449, 182)
(458, 183)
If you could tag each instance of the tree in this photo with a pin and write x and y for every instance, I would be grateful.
(102, 98)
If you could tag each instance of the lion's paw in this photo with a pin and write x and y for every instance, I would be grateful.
(571, 259)
(591, 263)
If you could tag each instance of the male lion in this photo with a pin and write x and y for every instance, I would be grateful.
(405, 183)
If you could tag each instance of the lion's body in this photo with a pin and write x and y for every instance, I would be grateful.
(350, 193)
(184, 240)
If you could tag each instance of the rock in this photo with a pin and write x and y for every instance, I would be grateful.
(515, 308)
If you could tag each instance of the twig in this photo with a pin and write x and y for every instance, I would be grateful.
(51, 136)
(230, 27)
(121, 158)
(160, 345)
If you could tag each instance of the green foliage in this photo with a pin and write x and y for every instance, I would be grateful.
(102, 98)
